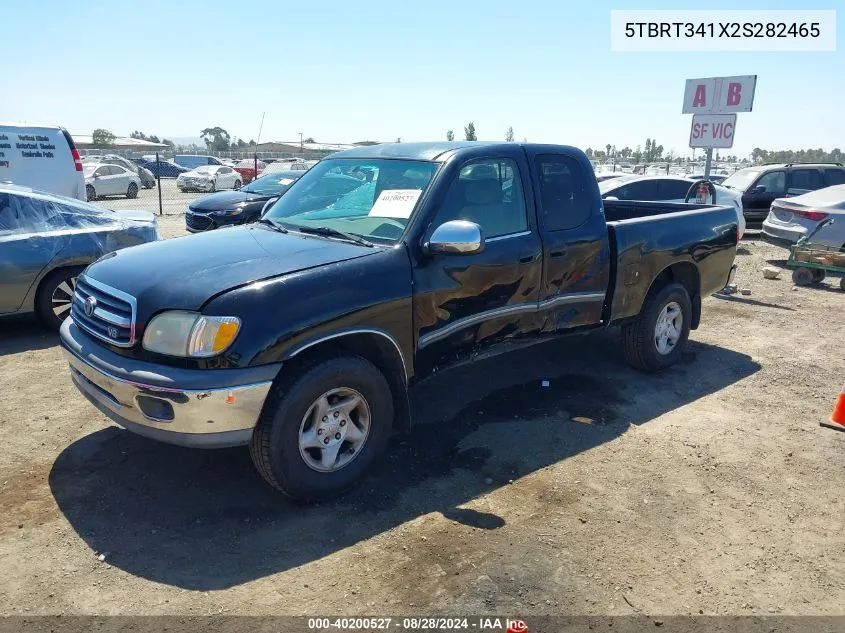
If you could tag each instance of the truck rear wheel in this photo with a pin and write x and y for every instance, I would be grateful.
(656, 338)
(320, 431)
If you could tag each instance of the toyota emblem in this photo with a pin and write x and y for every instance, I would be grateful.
(90, 305)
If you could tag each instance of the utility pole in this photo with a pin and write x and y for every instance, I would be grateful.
(300, 142)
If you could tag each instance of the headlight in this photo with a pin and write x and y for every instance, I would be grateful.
(189, 334)
(235, 211)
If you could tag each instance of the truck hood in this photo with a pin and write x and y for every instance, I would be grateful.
(183, 273)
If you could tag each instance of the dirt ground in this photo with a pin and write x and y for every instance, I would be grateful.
(708, 489)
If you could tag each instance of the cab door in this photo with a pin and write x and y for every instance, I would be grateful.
(576, 263)
(465, 304)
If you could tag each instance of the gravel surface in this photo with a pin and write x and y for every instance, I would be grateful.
(710, 488)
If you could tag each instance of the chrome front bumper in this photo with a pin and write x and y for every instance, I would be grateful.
(205, 418)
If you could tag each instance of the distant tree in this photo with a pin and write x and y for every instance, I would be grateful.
(608, 148)
(139, 135)
(310, 139)
(589, 152)
(251, 143)
(469, 132)
(168, 142)
(216, 139)
(242, 144)
(599, 155)
(625, 152)
(509, 135)
(450, 135)
(637, 155)
(398, 139)
(102, 138)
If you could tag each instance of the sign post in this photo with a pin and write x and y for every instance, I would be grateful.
(714, 103)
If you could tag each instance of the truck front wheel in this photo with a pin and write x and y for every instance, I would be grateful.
(656, 338)
(321, 430)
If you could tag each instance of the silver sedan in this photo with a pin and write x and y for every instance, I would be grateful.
(790, 219)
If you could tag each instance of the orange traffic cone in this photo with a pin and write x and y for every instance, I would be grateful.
(837, 418)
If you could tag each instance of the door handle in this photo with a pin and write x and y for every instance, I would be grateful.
(526, 259)
(559, 253)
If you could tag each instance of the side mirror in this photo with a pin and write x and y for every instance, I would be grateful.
(757, 190)
(456, 237)
(268, 204)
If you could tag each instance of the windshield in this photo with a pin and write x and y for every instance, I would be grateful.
(373, 198)
(614, 183)
(205, 169)
(742, 179)
(270, 185)
(89, 169)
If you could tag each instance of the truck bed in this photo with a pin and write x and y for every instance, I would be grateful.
(698, 241)
(617, 210)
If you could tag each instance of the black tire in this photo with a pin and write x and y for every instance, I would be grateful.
(638, 336)
(49, 287)
(132, 190)
(90, 194)
(802, 276)
(213, 186)
(842, 283)
(275, 442)
(818, 275)
(237, 185)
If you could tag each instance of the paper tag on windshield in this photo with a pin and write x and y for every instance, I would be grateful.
(285, 181)
(395, 203)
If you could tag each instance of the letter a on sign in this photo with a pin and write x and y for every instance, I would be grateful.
(700, 99)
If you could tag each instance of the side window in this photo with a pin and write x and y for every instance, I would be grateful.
(806, 179)
(668, 189)
(637, 190)
(834, 177)
(488, 192)
(224, 170)
(102, 170)
(563, 199)
(774, 183)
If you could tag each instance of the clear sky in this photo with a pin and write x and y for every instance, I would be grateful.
(345, 71)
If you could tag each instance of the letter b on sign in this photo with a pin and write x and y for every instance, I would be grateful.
(734, 94)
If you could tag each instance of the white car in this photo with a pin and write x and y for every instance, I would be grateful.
(790, 219)
(209, 178)
(667, 189)
(109, 180)
(284, 165)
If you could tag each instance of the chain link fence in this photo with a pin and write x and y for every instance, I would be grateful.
(158, 183)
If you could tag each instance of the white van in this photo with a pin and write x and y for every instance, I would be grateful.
(42, 158)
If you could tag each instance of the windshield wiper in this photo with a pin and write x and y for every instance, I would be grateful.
(273, 225)
(330, 232)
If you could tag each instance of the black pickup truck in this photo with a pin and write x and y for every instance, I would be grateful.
(300, 334)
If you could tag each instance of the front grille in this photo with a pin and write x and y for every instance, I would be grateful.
(113, 316)
(198, 222)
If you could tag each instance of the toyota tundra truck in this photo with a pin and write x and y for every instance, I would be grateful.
(299, 335)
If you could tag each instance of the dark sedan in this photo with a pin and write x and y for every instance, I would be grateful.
(162, 168)
(229, 208)
(47, 240)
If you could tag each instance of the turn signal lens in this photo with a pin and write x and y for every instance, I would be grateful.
(188, 334)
